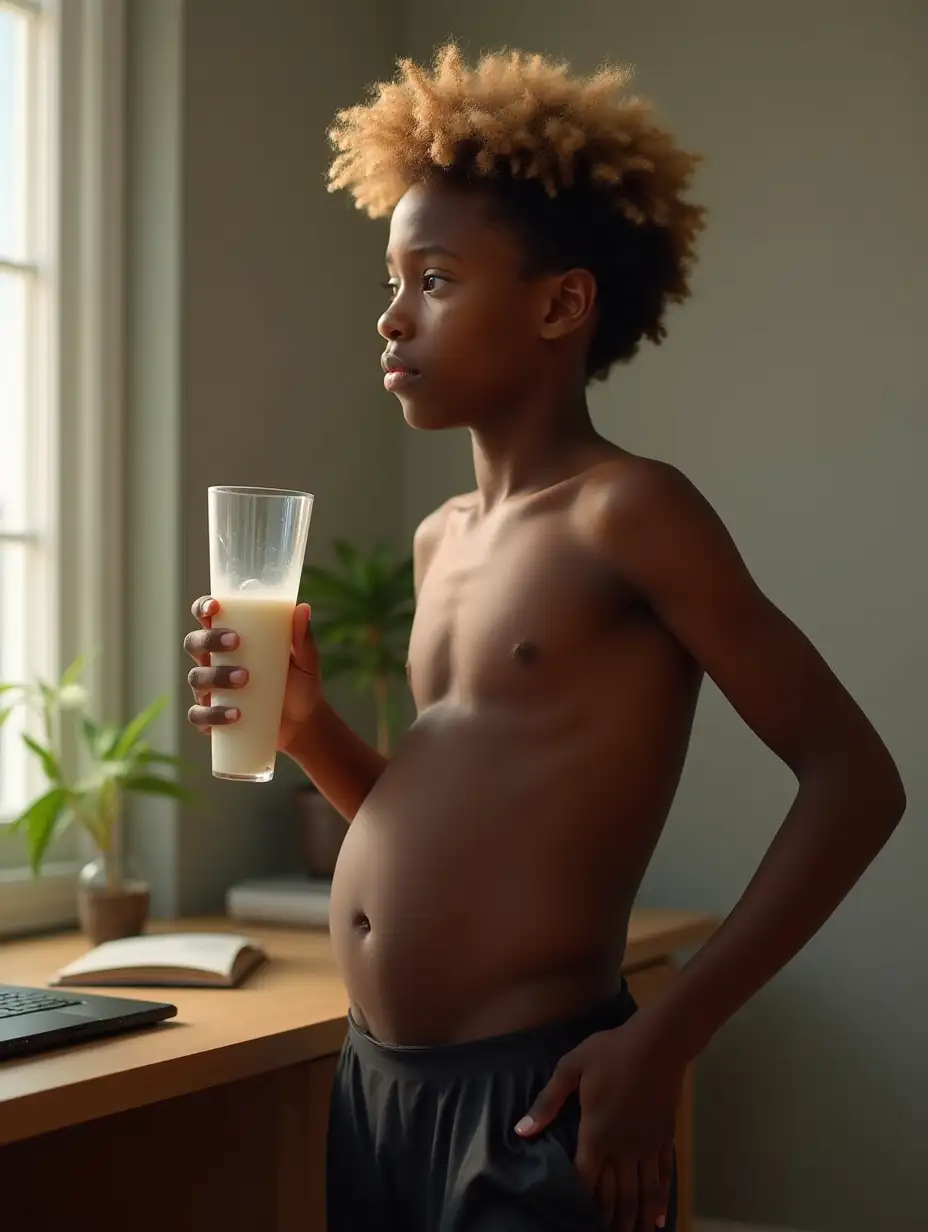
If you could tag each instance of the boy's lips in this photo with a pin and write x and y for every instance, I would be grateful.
(398, 374)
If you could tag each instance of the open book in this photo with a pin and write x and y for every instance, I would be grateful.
(218, 960)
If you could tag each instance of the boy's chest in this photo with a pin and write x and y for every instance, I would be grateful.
(507, 612)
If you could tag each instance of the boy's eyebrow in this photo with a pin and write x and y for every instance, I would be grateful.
(427, 250)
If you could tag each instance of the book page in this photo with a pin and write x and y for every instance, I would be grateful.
(214, 952)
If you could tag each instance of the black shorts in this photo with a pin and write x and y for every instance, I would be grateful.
(422, 1139)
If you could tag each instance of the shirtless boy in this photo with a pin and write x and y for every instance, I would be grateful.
(495, 1076)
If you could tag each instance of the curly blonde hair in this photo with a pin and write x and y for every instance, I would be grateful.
(576, 165)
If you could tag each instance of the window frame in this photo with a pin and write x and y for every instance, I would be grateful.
(81, 52)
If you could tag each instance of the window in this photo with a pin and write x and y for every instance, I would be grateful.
(61, 105)
(26, 459)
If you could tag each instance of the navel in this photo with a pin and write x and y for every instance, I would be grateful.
(524, 652)
(361, 922)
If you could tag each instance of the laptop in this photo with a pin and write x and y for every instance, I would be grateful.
(32, 1019)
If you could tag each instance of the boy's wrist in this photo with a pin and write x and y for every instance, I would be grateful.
(675, 1025)
(303, 729)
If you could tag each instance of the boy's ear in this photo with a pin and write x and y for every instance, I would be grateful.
(570, 300)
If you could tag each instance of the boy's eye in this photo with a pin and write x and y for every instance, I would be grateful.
(430, 283)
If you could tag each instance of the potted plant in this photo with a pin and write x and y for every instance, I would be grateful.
(362, 616)
(88, 789)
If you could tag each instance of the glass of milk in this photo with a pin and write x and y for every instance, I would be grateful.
(257, 540)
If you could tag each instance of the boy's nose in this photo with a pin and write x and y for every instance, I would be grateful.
(394, 324)
(389, 328)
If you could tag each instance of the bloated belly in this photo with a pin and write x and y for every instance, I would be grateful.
(480, 888)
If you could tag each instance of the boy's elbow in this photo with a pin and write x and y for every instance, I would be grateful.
(897, 801)
(880, 783)
(860, 771)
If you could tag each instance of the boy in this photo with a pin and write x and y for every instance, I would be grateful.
(495, 1075)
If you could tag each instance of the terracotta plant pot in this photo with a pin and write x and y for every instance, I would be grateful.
(107, 915)
(321, 830)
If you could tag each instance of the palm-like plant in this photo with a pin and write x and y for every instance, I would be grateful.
(362, 616)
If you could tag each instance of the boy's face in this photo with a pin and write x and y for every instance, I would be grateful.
(464, 329)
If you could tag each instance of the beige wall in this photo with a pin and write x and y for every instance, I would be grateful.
(253, 299)
(792, 390)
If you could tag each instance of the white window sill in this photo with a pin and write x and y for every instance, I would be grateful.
(32, 904)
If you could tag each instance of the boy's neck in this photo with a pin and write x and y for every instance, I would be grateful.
(533, 449)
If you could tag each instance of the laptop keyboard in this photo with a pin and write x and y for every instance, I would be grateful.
(15, 1001)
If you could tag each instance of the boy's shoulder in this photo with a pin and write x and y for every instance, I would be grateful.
(432, 526)
(630, 491)
(428, 534)
(647, 520)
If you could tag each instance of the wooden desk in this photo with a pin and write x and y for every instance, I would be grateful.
(217, 1120)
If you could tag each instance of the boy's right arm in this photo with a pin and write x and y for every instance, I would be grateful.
(338, 761)
(341, 765)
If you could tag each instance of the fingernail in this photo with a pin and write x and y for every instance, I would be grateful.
(526, 1125)
(232, 712)
(228, 639)
(661, 1221)
(207, 608)
(239, 676)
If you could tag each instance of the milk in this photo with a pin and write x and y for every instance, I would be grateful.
(247, 748)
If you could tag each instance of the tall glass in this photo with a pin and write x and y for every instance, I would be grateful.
(257, 540)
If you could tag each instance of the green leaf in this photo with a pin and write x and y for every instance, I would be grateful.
(74, 671)
(39, 821)
(339, 632)
(112, 770)
(369, 589)
(153, 785)
(351, 560)
(322, 586)
(328, 576)
(46, 757)
(133, 730)
(148, 757)
(104, 774)
(402, 580)
(377, 569)
(383, 558)
(363, 612)
(85, 809)
(361, 657)
(5, 688)
(107, 738)
(336, 663)
(5, 714)
(398, 622)
(100, 738)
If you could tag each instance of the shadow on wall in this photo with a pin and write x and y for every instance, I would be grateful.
(769, 1104)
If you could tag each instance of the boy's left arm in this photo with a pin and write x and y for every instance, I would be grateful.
(669, 545)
